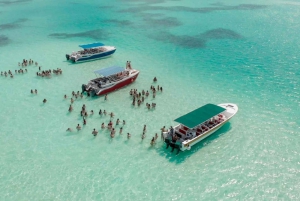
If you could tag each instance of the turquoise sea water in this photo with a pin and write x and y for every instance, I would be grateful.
(244, 52)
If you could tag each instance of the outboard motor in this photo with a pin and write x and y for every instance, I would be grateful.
(83, 87)
(167, 141)
(68, 57)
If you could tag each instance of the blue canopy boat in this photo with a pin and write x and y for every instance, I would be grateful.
(91, 52)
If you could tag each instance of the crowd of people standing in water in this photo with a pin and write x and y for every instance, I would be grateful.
(24, 63)
(115, 126)
(139, 97)
(48, 73)
(102, 113)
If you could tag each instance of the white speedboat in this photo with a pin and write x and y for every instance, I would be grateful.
(198, 125)
(90, 52)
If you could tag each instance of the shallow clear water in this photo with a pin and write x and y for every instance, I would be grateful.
(201, 52)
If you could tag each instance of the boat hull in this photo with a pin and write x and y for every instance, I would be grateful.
(93, 57)
(119, 85)
(231, 110)
(187, 146)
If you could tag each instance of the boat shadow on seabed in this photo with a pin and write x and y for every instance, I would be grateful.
(182, 156)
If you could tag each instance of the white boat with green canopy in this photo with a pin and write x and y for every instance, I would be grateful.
(198, 124)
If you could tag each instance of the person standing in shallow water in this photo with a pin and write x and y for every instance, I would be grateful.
(95, 132)
(152, 141)
(143, 136)
(105, 98)
(44, 101)
(70, 108)
(155, 79)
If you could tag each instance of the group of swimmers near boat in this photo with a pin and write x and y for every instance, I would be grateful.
(153, 140)
(27, 63)
(119, 125)
(140, 97)
(47, 73)
(9, 73)
(24, 63)
(110, 127)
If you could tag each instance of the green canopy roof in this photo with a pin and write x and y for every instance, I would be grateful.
(199, 115)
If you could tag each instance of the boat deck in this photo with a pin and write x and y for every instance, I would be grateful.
(103, 82)
(183, 133)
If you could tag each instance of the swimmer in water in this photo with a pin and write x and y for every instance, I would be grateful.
(92, 112)
(44, 101)
(124, 122)
(72, 101)
(69, 129)
(156, 136)
(117, 122)
(31, 91)
(144, 129)
(35, 91)
(95, 132)
(154, 79)
(102, 126)
(104, 112)
(78, 127)
(152, 141)
(112, 115)
(65, 96)
(121, 129)
(105, 98)
(84, 121)
(112, 135)
(143, 136)
(109, 125)
(128, 136)
(70, 108)
(100, 112)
